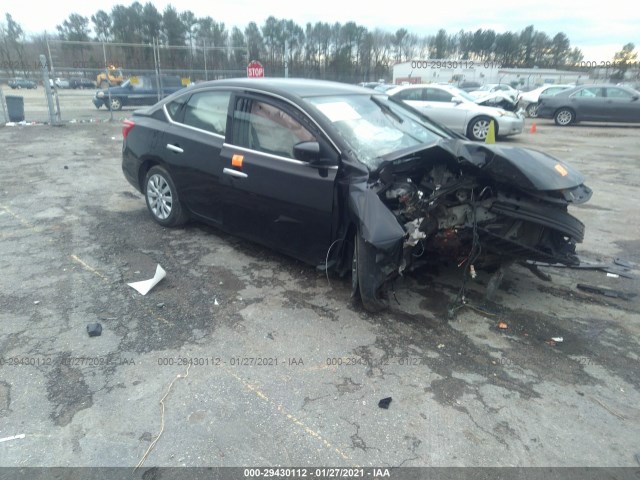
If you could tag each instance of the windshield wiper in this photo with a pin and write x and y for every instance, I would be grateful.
(387, 109)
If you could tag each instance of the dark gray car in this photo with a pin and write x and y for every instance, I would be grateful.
(592, 103)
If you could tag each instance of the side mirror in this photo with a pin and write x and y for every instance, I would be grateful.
(307, 152)
(456, 100)
(634, 98)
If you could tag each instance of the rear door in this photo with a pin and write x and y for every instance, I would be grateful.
(192, 144)
(272, 197)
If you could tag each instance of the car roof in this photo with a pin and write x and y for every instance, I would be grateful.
(288, 87)
(423, 85)
(595, 85)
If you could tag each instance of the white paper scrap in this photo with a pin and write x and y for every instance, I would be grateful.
(557, 339)
(145, 286)
(15, 437)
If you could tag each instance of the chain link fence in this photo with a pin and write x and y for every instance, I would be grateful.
(76, 71)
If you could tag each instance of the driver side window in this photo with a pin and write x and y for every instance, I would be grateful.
(267, 128)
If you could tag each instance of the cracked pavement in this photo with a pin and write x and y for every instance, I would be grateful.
(287, 370)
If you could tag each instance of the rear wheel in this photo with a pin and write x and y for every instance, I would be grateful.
(162, 198)
(532, 110)
(365, 277)
(564, 117)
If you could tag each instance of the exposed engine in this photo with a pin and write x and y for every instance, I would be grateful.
(449, 214)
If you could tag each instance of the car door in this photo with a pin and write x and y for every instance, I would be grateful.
(588, 103)
(621, 105)
(143, 91)
(274, 198)
(451, 114)
(192, 144)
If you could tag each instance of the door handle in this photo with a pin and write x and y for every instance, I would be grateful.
(174, 148)
(234, 173)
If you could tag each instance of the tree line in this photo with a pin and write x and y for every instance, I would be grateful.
(338, 51)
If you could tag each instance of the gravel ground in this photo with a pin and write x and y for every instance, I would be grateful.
(73, 233)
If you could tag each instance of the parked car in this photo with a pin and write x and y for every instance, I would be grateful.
(469, 86)
(458, 111)
(495, 87)
(384, 87)
(369, 84)
(141, 90)
(62, 83)
(347, 179)
(595, 103)
(529, 100)
(17, 83)
(81, 82)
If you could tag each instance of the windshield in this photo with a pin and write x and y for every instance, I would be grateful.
(462, 93)
(374, 125)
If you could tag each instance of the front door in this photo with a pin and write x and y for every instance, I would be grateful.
(274, 198)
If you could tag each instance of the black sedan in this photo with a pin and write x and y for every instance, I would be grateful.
(17, 83)
(347, 179)
(81, 82)
(592, 103)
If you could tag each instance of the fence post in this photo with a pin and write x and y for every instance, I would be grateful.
(106, 71)
(5, 114)
(47, 90)
(206, 72)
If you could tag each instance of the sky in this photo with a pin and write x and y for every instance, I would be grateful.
(598, 29)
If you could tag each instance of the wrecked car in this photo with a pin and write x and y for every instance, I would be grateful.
(459, 111)
(349, 180)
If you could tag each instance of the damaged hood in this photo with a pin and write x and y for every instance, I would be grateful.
(521, 167)
(493, 98)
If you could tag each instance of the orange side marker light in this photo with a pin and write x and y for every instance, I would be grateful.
(236, 161)
(561, 170)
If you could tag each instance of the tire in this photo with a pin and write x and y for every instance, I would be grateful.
(532, 110)
(478, 128)
(364, 276)
(564, 117)
(162, 200)
(115, 104)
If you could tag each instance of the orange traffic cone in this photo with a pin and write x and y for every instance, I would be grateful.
(533, 128)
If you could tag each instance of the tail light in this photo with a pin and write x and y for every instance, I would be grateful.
(127, 126)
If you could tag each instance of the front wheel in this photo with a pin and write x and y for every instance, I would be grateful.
(115, 104)
(478, 129)
(365, 278)
(162, 198)
(564, 117)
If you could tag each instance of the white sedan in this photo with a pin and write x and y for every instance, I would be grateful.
(529, 100)
(489, 88)
(458, 111)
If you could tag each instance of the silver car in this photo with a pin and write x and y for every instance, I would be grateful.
(458, 111)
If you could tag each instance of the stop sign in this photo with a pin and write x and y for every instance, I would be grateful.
(255, 69)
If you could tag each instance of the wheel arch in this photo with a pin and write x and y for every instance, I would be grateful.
(571, 109)
(147, 164)
(485, 115)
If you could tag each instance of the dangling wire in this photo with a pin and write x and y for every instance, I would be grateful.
(326, 260)
(474, 254)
